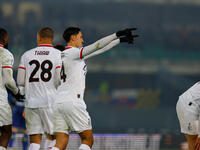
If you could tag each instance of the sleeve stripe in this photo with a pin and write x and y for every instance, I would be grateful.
(58, 67)
(6, 66)
(22, 67)
(81, 56)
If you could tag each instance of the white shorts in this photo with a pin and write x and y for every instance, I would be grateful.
(188, 115)
(71, 117)
(39, 120)
(5, 115)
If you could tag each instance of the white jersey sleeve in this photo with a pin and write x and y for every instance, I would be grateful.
(85, 51)
(21, 76)
(6, 74)
(97, 45)
(106, 48)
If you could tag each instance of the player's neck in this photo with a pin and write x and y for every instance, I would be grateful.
(44, 42)
(72, 44)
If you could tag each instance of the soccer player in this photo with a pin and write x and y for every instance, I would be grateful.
(188, 114)
(39, 73)
(6, 81)
(70, 108)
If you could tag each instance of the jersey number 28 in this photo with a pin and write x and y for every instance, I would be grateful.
(45, 70)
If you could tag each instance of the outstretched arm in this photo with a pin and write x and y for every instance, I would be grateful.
(107, 40)
(106, 48)
(98, 45)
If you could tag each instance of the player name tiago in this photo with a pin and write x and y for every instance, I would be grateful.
(41, 52)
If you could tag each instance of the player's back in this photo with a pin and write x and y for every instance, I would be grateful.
(6, 61)
(40, 64)
(74, 70)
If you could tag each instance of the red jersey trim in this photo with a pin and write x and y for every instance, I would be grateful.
(81, 56)
(1, 45)
(68, 47)
(46, 45)
(22, 67)
(7, 67)
(58, 67)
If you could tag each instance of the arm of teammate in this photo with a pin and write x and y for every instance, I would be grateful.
(57, 80)
(106, 48)
(21, 76)
(7, 72)
(57, 77)
(105, 41)
(9, 81)
(97, 45)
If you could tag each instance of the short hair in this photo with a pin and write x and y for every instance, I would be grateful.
(46, 33)
(70, 31)
(3, 34)
(60, 47)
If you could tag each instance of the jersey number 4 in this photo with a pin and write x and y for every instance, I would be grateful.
(45, 70)
(63, 76)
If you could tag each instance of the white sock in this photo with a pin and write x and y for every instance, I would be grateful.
(51, 144)
(34, 146)
(55, 148)
(84, 147)
(2, 148)
(46, 143)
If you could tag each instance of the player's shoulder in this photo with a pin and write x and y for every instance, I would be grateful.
(196, 86)
(29, 52)
(5, 53)
(55, 50)
(69, 50)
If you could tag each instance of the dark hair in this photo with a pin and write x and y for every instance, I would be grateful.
(60, 47)
(70, 31)
(46, 32)
(3, 34)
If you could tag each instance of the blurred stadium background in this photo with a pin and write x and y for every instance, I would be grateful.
(132, 90)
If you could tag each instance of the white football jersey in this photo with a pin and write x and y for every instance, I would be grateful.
(6, 61)
(40, 65)
(73, 74)
(192, 94)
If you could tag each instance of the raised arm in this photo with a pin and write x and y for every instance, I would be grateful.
(107, 40)
(106, 48)
(98, 44)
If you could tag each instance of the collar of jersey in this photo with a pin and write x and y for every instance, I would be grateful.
(1, 45)
(45, 45)
(68, 47)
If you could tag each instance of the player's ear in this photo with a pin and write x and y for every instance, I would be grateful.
(72, 38)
